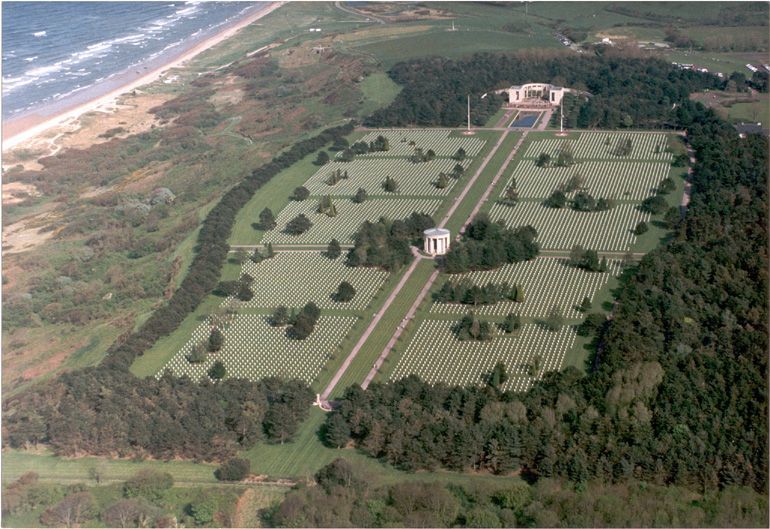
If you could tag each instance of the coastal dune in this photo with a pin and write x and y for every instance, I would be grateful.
(19, 131)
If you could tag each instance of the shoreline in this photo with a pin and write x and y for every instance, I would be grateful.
(28, 127)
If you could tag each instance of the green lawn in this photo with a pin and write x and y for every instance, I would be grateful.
(379, 91)
(66, 470)
(452, 44)
(756, 111)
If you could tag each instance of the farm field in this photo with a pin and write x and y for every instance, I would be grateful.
(546, 282)
(414, 179)
(436, 355)
(292, 278)
(255, 349)
(561, 229)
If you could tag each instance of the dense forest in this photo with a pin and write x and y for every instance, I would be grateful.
(625, 92)
(678, 389)
(348, 497)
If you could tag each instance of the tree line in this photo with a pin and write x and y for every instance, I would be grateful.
(676, 391)
(344, 495)
(626, 91)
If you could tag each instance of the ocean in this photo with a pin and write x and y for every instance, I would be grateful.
(54, 50)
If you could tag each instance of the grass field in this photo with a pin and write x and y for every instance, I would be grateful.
(67, 470)
(545, 281)
(436, 355)
(255, 349)
(414, 179)
(309, 276)
(349, 217)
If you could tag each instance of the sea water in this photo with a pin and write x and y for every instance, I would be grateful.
(52, 50)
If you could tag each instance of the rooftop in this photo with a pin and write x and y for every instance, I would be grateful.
(434, 232)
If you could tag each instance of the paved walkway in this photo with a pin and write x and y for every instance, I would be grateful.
(367, 332)
(432, 279)
(418, 257)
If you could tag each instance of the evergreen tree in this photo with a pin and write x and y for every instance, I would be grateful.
(333, 250)
(585, 305)
(360, 196)
(442, 181)
(216, 340)
(217, 371)
(266, 219)
(390, 185)
(337, 432)
(280, 316)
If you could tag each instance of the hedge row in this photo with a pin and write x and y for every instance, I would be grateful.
(211, 252)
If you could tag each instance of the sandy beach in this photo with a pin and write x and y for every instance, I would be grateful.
(18, 131)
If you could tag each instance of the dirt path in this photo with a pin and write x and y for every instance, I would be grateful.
(432, 279)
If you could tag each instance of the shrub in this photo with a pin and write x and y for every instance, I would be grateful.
(345, 292)
(150, 484)
(217, 371)
(641, 228)
(298, 225)
(300, 193)
(234, 469)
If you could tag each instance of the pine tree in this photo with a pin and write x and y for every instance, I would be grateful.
(217, 371)
(337, 432)
(333, 250)
(267, 219)
(216, 340)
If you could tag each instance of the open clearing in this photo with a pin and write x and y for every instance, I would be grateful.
(254, 349)
(546, 282)
(349, 217)
(293, 278)
(561, 229)
(436, 355)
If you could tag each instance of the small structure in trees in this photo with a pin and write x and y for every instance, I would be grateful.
(436, 241)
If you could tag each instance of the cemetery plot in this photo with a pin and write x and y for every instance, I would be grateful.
(403, 142)
(613, 180)
(602, 145)
(545, 282)
(349, 217)
(561, 229)
(253, 349)
(436, 355)
(294, 278)
(370, 173)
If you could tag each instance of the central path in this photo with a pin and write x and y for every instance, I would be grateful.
(418, 257)
(432, 279)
